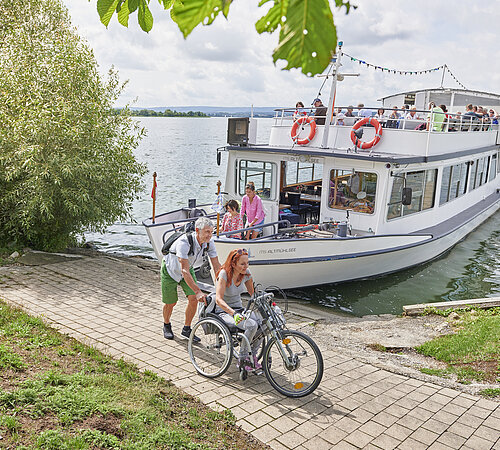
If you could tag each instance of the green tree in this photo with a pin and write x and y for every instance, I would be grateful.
(66, 158)
(307, 33)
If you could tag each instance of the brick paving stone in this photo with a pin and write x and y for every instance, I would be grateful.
(462, 400)
(385, 419)
(396, 411)
(412, 444)
(445, 417)
(359, 438)
(283, 424)
(398, 431)
(488, 433)
(487, 404)
(438, 446)
(343, 445)
(276, 445)
(451, 439)
(410, 422)
(492, 422)
(259, 419)
(266, 433)
(347, 424)
(427, 437)
(372, 428)
(308, 430)
(454, 409)
(333, 435)
(462, 430)
(361, 415)
(449, 392)
(386, 442)
(479, 412)
(470, 420)
(248, 427)
(420, 413)
(317, 443)
(478, 443)
(291, 439)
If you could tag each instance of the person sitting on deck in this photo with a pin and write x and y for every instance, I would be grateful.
(436, 116)
(349, 112)
(412, 115)
(380, 116)
(362, 112)
(251, 205)
(232, 220)
(340, 117)
(299, 111)
(320, 114)
(393, 118)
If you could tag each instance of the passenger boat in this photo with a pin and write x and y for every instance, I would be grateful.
(345, 201)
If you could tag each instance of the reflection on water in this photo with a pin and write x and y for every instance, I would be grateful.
(182, 152)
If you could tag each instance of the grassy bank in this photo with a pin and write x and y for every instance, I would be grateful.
(472, 352)
(56, 393)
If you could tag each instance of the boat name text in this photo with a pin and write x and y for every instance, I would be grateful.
(278, 250)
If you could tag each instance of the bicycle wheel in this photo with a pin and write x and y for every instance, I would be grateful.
(300, 373)
(211, 356)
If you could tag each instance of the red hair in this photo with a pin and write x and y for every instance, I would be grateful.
(231, 261)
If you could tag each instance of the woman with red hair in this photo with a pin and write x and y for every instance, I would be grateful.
(233, 279)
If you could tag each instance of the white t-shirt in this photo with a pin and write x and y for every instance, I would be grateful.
(180, 249)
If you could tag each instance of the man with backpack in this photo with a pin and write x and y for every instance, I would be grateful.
(177, 269)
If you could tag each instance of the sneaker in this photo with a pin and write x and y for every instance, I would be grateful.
(186, 332)
(256, 363)
(167, 331)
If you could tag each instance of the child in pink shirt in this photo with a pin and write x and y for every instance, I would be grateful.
(232, 220)
(251, 204)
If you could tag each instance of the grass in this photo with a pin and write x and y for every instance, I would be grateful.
(56, 393)
(473, 351)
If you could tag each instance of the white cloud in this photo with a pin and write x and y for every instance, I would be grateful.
(228, 63)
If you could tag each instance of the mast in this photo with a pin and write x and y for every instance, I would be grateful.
(331, 101)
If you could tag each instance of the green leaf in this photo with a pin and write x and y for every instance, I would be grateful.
(106, 9)
(167, 4)
(145, 17)
(308, 37)
(188, 14)
(124, 13)
(272, 19)
(133, 5)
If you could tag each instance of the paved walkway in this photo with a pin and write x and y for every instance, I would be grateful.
(115, 305)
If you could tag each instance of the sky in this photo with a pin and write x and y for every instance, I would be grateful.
(229, 64)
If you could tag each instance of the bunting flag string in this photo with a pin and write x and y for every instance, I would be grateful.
(405, 72)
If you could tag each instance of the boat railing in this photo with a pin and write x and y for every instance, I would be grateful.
(275, 226)
(434, 121)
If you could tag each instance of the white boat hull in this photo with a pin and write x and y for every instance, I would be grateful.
(366, 257)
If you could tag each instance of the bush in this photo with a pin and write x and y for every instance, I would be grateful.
(66, 161)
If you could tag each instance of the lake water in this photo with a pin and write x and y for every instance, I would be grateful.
(183, 153)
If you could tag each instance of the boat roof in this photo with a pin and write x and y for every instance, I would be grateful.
(360, 155)
(443, 89)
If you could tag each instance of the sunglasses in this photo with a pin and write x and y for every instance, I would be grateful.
(242, 251)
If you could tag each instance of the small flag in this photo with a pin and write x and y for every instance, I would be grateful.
(218, 205)
(153, 192)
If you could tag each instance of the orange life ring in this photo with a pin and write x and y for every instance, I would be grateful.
(312, 132)
(378, 133)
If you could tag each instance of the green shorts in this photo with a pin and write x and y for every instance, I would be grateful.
(169, 286)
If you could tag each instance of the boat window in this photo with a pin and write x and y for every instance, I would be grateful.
(299, 172)
(423, 185)
(478, 173)
(453, 183)
(494, 167)
(350, 189)
(262, 174)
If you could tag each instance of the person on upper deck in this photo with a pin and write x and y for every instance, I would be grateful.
(412, 115)
(436, 116)
(251, 205)
(232, 220)
(320, 114)
(380, 114)
(299, 111)
(349, 112)
(470, 111)
(393, 118)
(362, 112)
(340, 116)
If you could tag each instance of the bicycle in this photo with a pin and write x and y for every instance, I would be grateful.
(291, 360)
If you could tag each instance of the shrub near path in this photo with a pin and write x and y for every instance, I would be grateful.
(57, 393)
